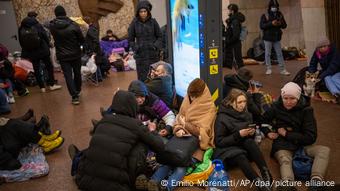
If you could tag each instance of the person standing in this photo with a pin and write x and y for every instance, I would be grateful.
(35, 43)
(233, 45)
(68, 39)
(145, 39)
(271, 24)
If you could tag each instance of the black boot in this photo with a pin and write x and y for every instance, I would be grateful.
(44, 125)
(28, 115)
(266, 176)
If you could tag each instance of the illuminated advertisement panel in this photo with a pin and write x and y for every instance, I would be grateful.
(184, 17)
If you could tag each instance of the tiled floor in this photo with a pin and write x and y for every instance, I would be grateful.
(74, 121)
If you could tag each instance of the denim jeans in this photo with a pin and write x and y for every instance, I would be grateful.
(175, 174)
(277, 47)
(9, 90)
(4, 106)
(333, 83)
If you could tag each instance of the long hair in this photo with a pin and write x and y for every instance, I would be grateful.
(232, 97)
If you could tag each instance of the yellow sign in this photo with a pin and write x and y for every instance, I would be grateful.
(213, 53)
(213, 69)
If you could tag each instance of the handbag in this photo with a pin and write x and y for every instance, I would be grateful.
(178, 151)
(302, 165)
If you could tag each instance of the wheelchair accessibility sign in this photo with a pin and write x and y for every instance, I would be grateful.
(213, 53)
(213, 69)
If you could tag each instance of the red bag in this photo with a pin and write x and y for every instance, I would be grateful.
(20, 73)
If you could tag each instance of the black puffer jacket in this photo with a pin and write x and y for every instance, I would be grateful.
(253, 100)
(106, 163)
(145, 37)
(43, 49)
(92, 40)
(234, 28)
(270, 32)
(298, 121)
(67, 38)
(227, 137)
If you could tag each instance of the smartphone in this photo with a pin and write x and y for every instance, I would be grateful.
(252, 126)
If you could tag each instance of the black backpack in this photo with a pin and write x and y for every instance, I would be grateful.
(29, 37)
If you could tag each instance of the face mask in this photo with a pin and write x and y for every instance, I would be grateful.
(273, 9)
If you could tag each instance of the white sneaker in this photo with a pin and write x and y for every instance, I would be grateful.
(268, 71)
(285, 72)
(43, 90)
(55, 87)
(11, 100)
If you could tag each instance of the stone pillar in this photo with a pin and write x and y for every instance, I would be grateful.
(314, 23)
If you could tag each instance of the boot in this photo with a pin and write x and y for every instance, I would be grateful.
(44, 125)
(28, 115)
(72, 151)
(49, 146)
(262, 186)
(266, 176)
(51, 137)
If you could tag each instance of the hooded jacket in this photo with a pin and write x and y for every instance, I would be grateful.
(330, 63)
(299, 122)
(145, 37)
(270, 32)
(253, 100)
(43, 49)
(234, 23)
(67, 38)
(227, 137)
(153, 107)
(105, 164)
(162, 87)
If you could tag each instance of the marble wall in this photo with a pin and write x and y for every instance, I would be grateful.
(118, 22)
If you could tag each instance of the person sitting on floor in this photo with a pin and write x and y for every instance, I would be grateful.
(294, 127)
(107, 164)
(160, 82)
(195, 118)
(17, 133)
(110, 36)
(329, 58)
(234, 138)
(242, 81)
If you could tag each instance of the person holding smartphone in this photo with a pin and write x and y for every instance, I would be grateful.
(234, 139)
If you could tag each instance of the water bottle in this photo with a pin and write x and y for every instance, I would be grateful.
(258, 136)
(218, 180)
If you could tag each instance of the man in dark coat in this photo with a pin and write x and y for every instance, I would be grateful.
(271, 24)
(294, 127)
(68, 39)
(233, 46)
(160, 82)
(145, 38)
(41, 51)
(241, 81)
(105, 165)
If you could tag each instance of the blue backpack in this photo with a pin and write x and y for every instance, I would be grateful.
(302, 165)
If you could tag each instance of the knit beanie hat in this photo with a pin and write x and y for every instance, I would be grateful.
(59, 11)
(196, 88)
(323, 41)
(291, 89)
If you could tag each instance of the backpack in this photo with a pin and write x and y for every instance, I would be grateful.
(243, 33)
(29, 38)
(302, 165)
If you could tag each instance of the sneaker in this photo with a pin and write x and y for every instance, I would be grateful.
(142, 182)
(55, 87)
(72, 151)
(25, 93)
(43, 90)
(49, 146)
(51, 137)
(75, 101)
(268, 71)
(285, 72)
(11, 100)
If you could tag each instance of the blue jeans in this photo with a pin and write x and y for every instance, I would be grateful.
(277, 47)
(175, 174)
(8, 90)
(333, 83)
(4, 106)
